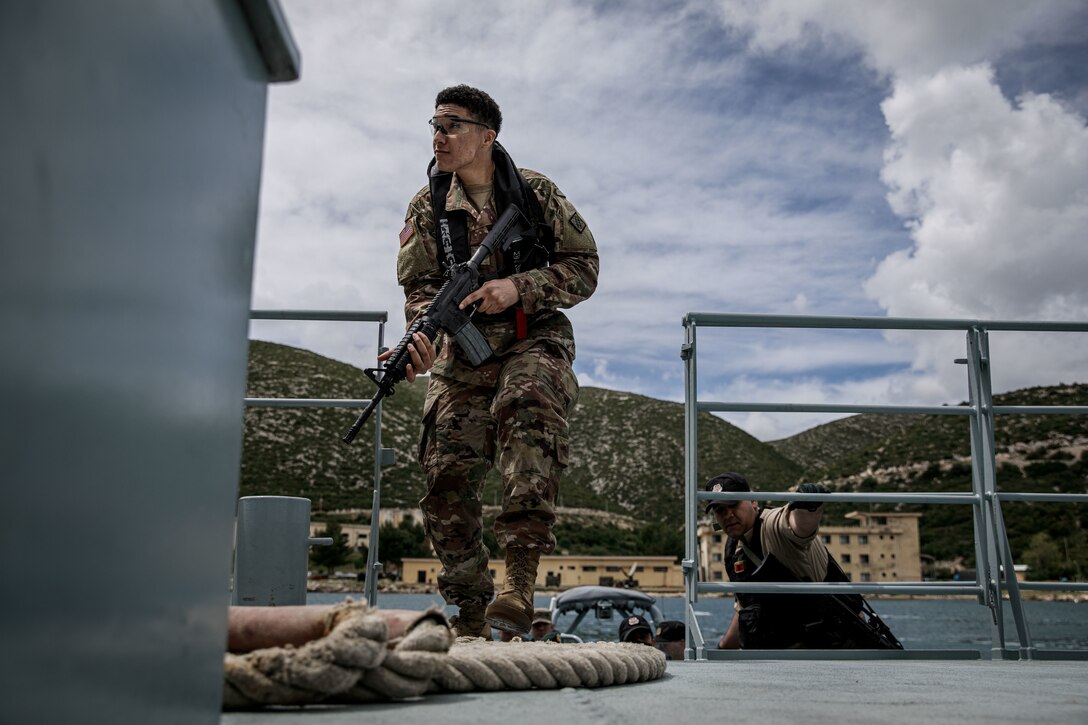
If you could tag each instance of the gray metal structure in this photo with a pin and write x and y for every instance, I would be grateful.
(382, 456)
(995, 576)
(132, 134)
(271, 546)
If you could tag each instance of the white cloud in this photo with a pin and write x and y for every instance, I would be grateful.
(688, 203)
(996, 194)
(997, 198)
(919, 37)
(727, 159)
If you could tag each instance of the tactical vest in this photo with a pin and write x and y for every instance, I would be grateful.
(783, 621)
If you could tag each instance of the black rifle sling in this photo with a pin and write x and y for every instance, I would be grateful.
(510, 188)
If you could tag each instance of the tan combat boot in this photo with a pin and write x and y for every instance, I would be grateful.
(470, 623)
(512, 610)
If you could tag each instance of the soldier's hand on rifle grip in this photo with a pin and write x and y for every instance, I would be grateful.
(494, 296)
(421, 351)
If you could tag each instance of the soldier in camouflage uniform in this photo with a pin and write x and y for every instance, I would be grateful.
(512, 409)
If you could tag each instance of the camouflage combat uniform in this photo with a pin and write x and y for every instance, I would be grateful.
(512, 410)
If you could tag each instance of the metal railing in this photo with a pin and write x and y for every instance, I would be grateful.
(382, 456)
(994, 573)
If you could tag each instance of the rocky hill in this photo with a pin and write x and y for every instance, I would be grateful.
(626, 449)
(1034, 453)
(627, 457)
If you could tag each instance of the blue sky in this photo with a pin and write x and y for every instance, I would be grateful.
(915, 159)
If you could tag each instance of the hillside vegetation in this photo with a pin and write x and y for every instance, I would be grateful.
(1034, 453)
(626, 449)
(627, 461)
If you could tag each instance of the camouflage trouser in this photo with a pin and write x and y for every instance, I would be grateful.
(520, 424)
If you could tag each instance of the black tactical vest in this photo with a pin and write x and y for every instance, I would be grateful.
(782, 621)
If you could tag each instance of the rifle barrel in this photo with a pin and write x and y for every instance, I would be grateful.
(361, 420)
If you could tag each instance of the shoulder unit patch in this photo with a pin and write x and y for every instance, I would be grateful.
(577, 222)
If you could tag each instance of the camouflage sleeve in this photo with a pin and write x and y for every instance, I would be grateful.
(572, 275)
(417, 260)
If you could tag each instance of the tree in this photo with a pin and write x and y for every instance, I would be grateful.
(397, 542)
(332, 556)
(1042, 556)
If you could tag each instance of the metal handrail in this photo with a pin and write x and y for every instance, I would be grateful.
(373, 565)
(712, 407)
(872, 322)
(307, 402)
(994, 572)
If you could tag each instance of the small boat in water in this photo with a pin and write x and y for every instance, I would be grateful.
(604, 603)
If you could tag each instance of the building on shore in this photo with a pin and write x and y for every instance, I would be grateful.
(882, 547)
(359, 534)
(564, 572)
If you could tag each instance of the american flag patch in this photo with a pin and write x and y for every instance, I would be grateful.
(406, 233)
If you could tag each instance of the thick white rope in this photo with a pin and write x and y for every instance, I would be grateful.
(477, 664)
(355, 662)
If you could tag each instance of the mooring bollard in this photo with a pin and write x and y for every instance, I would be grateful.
(271, 551)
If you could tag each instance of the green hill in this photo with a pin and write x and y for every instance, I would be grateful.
(626, 449)
(627, 460)
(1034, 453)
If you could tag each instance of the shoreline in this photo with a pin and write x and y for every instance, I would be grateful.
(348, 586)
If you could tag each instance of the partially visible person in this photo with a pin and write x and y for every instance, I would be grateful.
(636, 629)
(781, 545)
(543, 630)
(670, 638)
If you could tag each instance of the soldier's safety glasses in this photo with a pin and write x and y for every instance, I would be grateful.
(452, 125)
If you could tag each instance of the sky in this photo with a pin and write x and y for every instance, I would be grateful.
(816, 157)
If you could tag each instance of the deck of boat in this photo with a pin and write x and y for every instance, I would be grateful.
(885, 691)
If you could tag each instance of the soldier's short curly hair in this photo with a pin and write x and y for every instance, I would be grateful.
(482, 106)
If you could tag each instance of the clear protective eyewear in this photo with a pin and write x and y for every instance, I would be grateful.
(452, 125)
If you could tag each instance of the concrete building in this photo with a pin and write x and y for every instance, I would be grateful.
(882, 547)
(564, 572)
(359, 534)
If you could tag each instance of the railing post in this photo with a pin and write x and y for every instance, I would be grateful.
(694, 647)
(373, 565)
(997, 520)
(983, 475)
(382, 456)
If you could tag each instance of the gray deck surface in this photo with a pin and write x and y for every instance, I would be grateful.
(760, 692)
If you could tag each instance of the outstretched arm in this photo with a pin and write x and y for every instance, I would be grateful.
(805, 516)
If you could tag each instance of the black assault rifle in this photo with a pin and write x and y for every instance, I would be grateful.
(444, 313)
(853, 623)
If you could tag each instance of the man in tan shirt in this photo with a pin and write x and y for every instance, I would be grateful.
(764, 541)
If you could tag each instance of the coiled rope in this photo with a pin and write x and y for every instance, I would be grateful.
(355, 662)
(477, 664)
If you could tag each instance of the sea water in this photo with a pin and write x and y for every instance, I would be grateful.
(918, 623)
